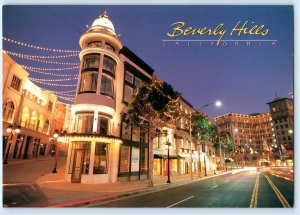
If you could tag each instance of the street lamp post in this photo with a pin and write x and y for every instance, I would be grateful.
(168, 144)
(56, 134)
(12, 130)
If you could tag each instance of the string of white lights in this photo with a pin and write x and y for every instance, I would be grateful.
(42, 56)
(49, 69)
(51, 84)
(66, 98)
(52, 74)
(42, 61)
(53, 80)
(60, 92)
(38, 47)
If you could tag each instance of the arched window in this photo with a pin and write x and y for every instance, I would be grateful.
(33, 120)
(41, 123)
(8, 111)
(25, 117)
(46, 126)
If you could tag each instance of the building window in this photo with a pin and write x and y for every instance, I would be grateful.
(144, 135)
(135, 159)
(101, 159)
(126, 131)
(50, 105)
(16, 83)
(128, 91)
(124, 158)
(109, 65)
(144, 159)
(84, 123)
(94, 44)
(129, 77)
(136, 134)
(79, 148)
(102, 125)
(88, 82)
(8, 111)
(90, 61)
(107, 85)
(109, 47)
(137, 82)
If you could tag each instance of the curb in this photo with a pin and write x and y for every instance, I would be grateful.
(136, 192)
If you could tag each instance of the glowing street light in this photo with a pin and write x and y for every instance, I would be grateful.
(12, 130)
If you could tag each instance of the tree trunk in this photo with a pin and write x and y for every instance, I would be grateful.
(150, 167)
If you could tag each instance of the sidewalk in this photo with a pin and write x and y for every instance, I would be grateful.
(63, 194)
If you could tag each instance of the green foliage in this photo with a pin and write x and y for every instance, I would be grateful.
(155, 104)
(202, 129)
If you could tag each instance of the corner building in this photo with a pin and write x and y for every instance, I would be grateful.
(102, 148)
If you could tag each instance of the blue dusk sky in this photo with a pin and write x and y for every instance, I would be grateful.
(244, 78)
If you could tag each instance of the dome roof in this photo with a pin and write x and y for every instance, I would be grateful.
(103, 22)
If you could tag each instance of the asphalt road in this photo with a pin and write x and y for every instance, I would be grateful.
(243, 190)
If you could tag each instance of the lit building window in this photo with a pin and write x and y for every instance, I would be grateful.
(124, 158)
(84, 123)
(103, 125)
(101, 159)
(107, 85)
(109, 65)
(16, 83)
(88, 82)
(94, 44)
(90, 61)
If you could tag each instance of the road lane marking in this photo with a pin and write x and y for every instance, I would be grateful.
(214, 187)
(253, 203)
(180, 201)
(279, 195)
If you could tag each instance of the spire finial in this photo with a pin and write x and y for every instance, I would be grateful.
(104, 14)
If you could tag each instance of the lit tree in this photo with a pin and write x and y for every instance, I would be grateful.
(202, 130)
(225, 139)
(155, 105)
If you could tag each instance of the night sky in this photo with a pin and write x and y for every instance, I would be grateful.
(243, 78)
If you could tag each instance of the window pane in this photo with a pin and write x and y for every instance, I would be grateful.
(144, 159)
(101, 159)
(102, 125)
(128, 91)
(88, 82)
(124, 158)
(144, 135)
(16, 83)
(86, 158)
(136, 134)
(91, 61)
(126, 131)
(137, 82)
(129, 77)
(84, 123)
(107, 86)
(109, 65)
(135, 159)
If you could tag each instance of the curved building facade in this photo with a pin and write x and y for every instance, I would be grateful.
(102, 148)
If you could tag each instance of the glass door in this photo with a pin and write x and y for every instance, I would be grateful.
(77, 165)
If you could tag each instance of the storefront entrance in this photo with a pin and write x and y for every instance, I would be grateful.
(77, 165)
